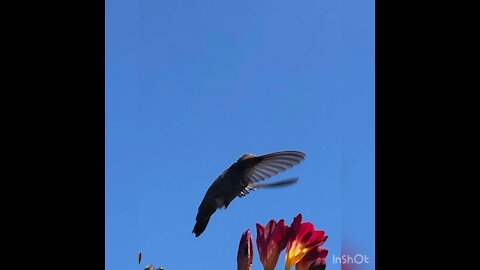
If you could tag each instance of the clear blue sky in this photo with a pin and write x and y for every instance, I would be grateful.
(192, 85)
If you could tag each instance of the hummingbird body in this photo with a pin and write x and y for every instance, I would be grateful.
(241, 178)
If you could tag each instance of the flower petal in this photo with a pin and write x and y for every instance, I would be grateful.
(271, 240)
(314, 258)
(302, 238)
(245, 251)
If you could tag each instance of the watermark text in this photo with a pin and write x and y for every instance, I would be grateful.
(351, 259)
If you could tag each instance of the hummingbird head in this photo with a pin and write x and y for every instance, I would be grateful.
(245, 156)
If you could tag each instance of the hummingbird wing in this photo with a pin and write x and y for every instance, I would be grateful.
(259, 168)
(255, 186)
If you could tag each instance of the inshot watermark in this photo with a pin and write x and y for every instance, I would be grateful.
(350, 259)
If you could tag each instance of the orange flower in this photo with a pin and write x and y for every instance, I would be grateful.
(302, 238)
(271, 240)
(313, 260)
(245, 252)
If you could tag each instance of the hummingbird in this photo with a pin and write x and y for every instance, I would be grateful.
(241, 178)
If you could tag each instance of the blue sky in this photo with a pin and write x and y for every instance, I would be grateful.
(192, 85)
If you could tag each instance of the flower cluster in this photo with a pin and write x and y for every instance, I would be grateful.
(301, 240)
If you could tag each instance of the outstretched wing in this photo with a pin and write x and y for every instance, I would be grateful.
(259, 168)
(255, 186)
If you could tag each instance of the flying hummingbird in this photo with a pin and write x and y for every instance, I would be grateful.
(241, 178)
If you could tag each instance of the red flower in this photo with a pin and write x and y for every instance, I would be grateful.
(245, 252)
(313, 260)
(271, 240)
(302, 238)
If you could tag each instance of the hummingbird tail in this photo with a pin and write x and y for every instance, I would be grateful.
(200, 226)
(205, 211)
